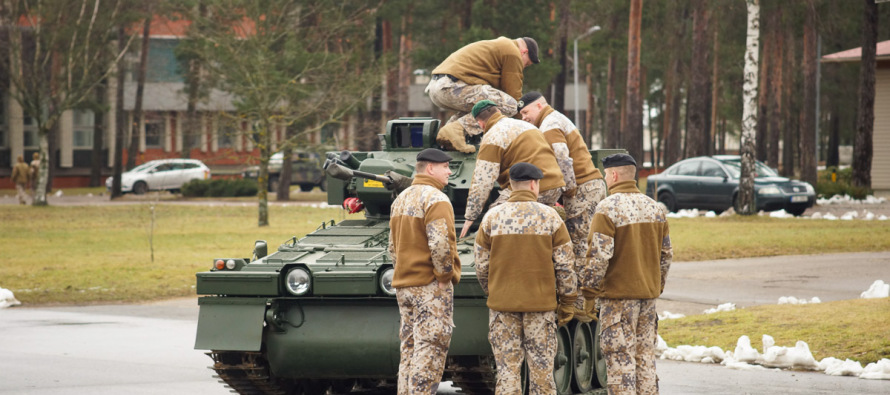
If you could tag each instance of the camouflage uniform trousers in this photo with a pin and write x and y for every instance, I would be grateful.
(579, 216)
(426, 324)
(548, 197)
(460, 97)
(528, 336)
(629, 335)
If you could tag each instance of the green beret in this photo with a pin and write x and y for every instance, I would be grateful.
(481, 105)
(433, 155)
(524, 171)
(618, 160)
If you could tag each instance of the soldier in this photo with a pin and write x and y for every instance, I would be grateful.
(523, 262)
(20, 177)
(584, 183)
(506, 142)
(489, 69)
(423, 248)
(630, 252)
(35, 170)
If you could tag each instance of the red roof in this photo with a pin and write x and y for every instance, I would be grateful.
(853, 55)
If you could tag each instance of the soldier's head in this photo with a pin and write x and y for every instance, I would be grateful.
(483, 110)
(525, 176)
(19, 159)
(530, 106)
(35, 156)
(619, 167)
(528, 49)
(434, 163)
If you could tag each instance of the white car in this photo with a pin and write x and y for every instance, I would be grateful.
(162, 174)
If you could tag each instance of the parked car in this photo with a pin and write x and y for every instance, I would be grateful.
(712, 183)
(306, 171)
(161, 174)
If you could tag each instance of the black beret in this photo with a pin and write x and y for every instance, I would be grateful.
(528, 98)
(433, 155)
(532, 46)
(618, 160)
(524, 171)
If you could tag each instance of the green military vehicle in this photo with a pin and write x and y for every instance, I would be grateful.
(306, 171)
(318, 315)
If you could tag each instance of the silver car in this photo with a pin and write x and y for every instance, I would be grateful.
(161, 174)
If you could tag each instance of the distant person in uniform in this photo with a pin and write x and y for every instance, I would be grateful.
(524, 264)
(584, 183)
(423, 248)
(630, 252)
(506, 142)
(21, 175)
(488, 69)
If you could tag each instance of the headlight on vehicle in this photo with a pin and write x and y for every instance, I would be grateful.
(769, 191)
(386, 282)
(810, 189)
(298, 281)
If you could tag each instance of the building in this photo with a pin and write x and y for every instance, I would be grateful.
(880, 165)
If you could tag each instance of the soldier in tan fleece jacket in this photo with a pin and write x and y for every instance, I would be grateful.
(488, 69)
(423, 248)
(524, 264)
(630, 253)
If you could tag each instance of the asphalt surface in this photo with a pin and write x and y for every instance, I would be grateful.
(148, 348)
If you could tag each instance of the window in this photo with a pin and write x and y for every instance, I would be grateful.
(711, 169)
(226, 134)
(84, 125)
(154, 133)
(688, 168)
(30, 130)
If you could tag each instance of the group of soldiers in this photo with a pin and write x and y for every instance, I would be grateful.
(605, 258)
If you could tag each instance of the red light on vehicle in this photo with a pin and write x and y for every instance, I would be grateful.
(353, 205)
(219, 264)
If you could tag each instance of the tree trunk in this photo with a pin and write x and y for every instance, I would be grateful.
(285, 175)
(696, 129)
(98, 132)
(140, 90)
(761, 139)
(264, 143)
(120, 124)
(405, 50)
(633, 135)
(559, 96)
(715, 83)
(392, 77)
(808, 128)
(745, 203)
(591, 107)
(833, 156)
(865, 123)
(789, 100)
(775, 99)
(612, 127)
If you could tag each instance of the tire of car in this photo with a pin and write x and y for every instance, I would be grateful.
(797, 211)
(306, 187)
(668, 200)
(140, 188)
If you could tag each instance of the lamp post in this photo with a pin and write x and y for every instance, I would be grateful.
(577, 101)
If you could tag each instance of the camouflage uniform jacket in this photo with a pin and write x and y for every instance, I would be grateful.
(524, 256)
(506, 142)
(422, 240)
(571, 151)
(630, 246)
(495, 62)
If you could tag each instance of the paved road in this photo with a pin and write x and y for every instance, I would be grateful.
(147, 348)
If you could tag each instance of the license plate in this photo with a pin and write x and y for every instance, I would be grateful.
(798, 199)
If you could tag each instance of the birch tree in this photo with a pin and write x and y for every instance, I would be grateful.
(745, 204)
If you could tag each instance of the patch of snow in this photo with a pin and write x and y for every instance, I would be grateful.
(59, 193)
(667, 315)
(660, 347)
(877, 370)
(744, 353)
(693, 213)
(7, 298)
(694, 354)
(780, 214)
(722, 307)
(835, 367)
(846, 199)
(878, 289)
(710, 214)
(850, 215)
(798, 357)
(793, 300)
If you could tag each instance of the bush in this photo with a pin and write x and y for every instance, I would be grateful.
(220, 188)
(827, 188)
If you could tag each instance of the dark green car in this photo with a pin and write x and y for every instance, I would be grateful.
(712, 183)
(306, 171)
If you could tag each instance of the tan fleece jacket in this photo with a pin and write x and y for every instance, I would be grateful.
(495, 62)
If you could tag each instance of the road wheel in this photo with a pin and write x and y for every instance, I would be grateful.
(599, 360)
(140, 188)
(306, 187)
(564, 362)
(582, 349)
(668, 200)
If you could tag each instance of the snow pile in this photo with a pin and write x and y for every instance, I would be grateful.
(793, 300)
(7, 298)
(744, 352)
(877, 290)
(695, 354)
(846, 199)
(850, 215)
(780, 214)
(693, 213)
(59, 193)
(667, 315)
(835, 367)
(797, 357)
(877, 370)
(722, 307)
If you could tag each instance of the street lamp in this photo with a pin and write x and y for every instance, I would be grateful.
(577, 101)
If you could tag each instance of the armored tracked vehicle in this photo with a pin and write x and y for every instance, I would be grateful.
(318, 315)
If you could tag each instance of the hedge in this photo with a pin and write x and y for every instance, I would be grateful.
(220, 188)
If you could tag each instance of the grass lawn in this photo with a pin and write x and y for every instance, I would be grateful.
(855, 329)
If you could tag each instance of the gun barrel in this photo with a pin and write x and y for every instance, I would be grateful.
(371, 176)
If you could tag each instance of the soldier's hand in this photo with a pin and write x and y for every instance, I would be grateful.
(591, 309)
(564, 314)
(570, 193)
(465, 229)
